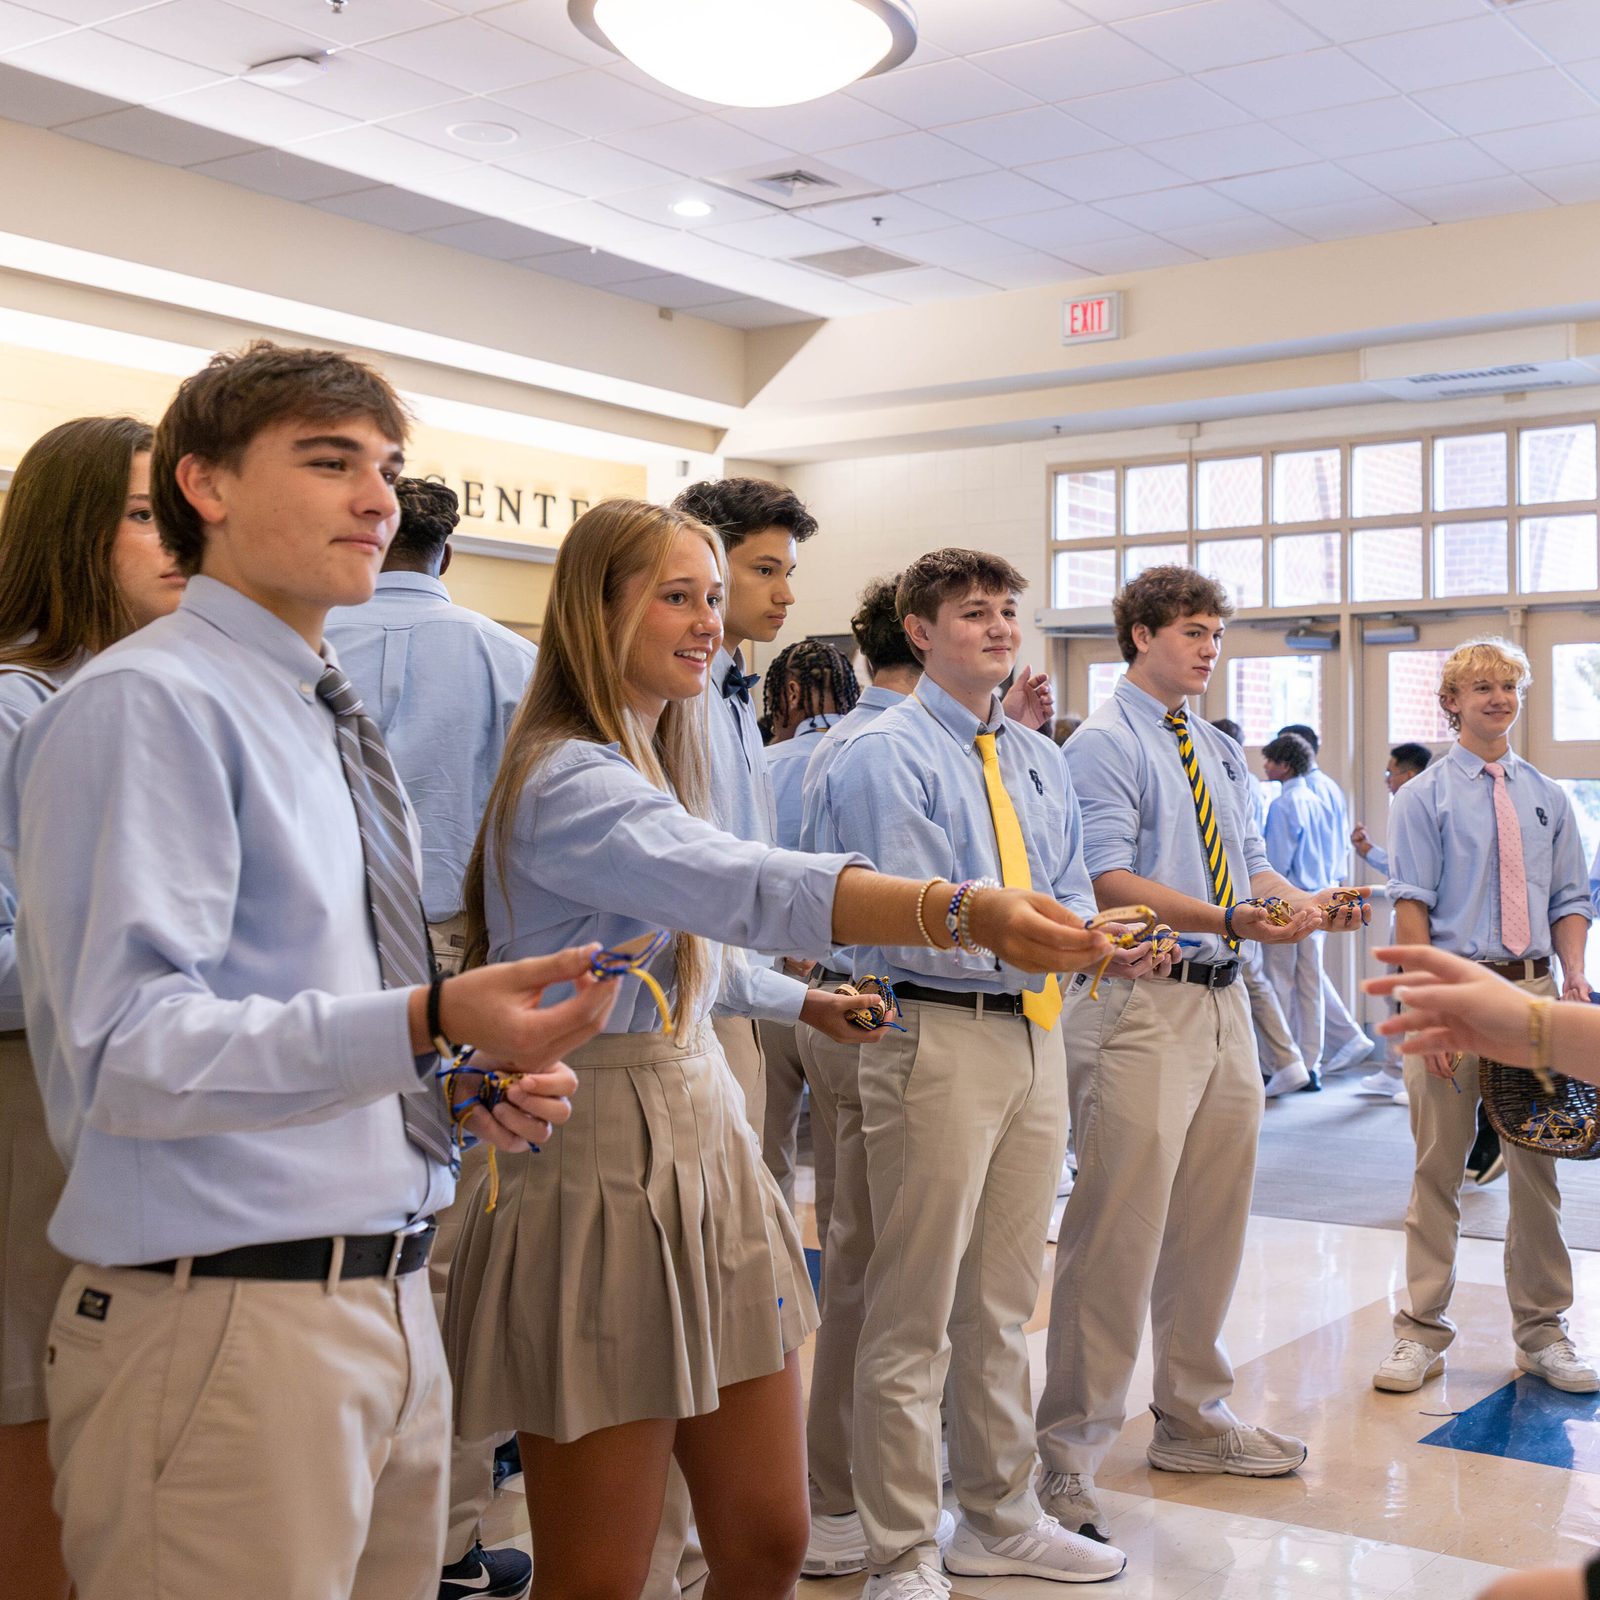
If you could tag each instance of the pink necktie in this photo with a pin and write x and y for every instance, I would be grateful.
(1514, 931)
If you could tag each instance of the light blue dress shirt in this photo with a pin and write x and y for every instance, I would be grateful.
(443, 683)
(1444, 852)
(908, 791)
(786, 765)
(813, 810)
(1594, 882)
(1297, 837)
(1138, 808)
(219, 1063)
(1378, 860)
(742, 803)
(598, 853)
(1336, 828)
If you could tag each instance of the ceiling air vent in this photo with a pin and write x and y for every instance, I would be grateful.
(794, 188)
(860, 261)
(795, 184)
(1507, 362)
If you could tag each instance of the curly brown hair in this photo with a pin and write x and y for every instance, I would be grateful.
(1163, 595)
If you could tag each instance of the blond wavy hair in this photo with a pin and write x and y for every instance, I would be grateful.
(1475, 658)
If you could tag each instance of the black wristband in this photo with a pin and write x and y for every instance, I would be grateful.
(1227, 923)
(1591, 1580)
(441, 1041)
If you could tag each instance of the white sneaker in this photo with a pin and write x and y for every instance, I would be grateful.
(1064, 1183)
(1561, 1367)
(1287, 1079)
(1407, 1367)
(1242, 1452)
(1046, 1550)
(1069, 1497)
(946, 1530)
(923, 1584)
(1403, 1098)
(1355, 1052)
(1384, 1085)
(837, 1546)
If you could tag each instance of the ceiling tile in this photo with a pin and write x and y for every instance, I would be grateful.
(1138, 253)
(1295, 188)
(960, 247)
(213, 34)
(1107, 173)
(1453, 52)
(278, 173)
(1363, 19)
(593, 267)
(1574, 185)
(1031, 269)
(594, 104)
(943, 91)
(1230, 152)
(492, 191)
(777, 236)
(1158, 111)
(1551, 144)
(907, 159)
(1587, 73)
(589, 168)
(1090, 61)
(141, 132)
(653, 205)
(357, 24)
(671, 290)
(19, 26)
(1360, 130)
(1425, 166)
(378, 154)
(486, 236)
(45, 102)
(471, 55)
(1041, 133)
(879, 217)
(752, 314)
(367, 89)
(85, 11)
(399, 209)
(1566, 30)
(599, 225)
(432, 125)
(1245, 237)
(1061, 231)
(1122, 10)
(1353, 218)
(962, 27)
(699, 146)
(1167, 210)
(1517, 101)
(110, 66)
(819, 125)
(1488, 197)
(1297, 83)
(541, 23)
(990, 194)
(927, 286)
(1220, 33)
(250, 112)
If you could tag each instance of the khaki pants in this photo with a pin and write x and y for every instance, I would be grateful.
(964, 1125)
(1296, 974)
(1538, 1269)
(740, 1044)
(233, 1437)
(784, 1061)
(1274, 1046)
(844, 1225)
(1166, 1104)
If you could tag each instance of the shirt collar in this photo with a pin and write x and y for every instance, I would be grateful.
(722, 663)
(954, 717)
(1473, 765)
(815, 725)
(879, 699)
(1141, 700)
(1292, 783)
(239, 618)
(412, 583)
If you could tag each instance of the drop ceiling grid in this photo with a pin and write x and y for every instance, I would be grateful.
(1100, 135)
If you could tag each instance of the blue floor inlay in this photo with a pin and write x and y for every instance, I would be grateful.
(814, 1267)
(1527, 1420)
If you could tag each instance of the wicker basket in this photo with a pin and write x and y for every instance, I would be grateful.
(1564, 1124)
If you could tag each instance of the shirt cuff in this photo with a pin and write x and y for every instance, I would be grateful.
(372, 1044)
(1399, 889)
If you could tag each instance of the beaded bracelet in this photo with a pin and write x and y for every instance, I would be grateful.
(958, 919)
(922, 927)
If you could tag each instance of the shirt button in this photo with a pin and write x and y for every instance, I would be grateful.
(307, 690)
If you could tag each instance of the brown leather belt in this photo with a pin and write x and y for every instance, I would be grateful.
(1519, 971)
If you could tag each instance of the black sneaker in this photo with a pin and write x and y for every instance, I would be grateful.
(1485, 1155)
(502, 1574)
(1313, 1085)
(507, 1462)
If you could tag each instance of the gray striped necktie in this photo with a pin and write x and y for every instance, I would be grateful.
(393, 894)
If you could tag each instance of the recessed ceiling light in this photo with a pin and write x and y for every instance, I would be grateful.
(287, 72)
(482, 132)
(691, 208)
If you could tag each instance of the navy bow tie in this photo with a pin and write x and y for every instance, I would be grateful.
(736, 684)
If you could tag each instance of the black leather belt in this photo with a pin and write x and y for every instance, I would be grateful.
(1520, 971)
(1216, 975)
(1005, 1005)
(371, 1255)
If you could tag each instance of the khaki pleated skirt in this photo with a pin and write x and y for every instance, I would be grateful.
(637, 1264)
(31, 1272)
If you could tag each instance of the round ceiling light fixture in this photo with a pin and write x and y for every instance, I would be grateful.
(691, 208)
(753, 52)
(482, 132)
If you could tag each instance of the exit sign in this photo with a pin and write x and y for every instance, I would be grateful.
(1098, 317)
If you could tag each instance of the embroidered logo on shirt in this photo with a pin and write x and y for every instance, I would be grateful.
(1233, 777)
(1038, 782)
(94, 1304)
(1544, 821)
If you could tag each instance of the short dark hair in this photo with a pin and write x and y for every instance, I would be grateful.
(823, 675)
(1301, 731)
(880, 635)
(1228, 726)
(737, 508)
(429, 513)
(1064, 727)
(1414, 757)
(1161, 595)
(1291, 751)
(942, 575)
(218, 410)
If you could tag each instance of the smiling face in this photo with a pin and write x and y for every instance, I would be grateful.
(1177, 660)
(301, 521)
(679, 629)
(146, 575)
(759, 596)
(1488, 703)
(970, 647)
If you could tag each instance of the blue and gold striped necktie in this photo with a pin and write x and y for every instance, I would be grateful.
(1205, 814)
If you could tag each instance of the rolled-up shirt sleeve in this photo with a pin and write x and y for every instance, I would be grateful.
(1416, 851)
(1569, 889)
(1106, 783)
(753, 990)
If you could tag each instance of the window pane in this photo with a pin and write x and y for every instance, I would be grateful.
(1103, 677)
(1557, 553)
(1469, 471)
(1305, 569)
(1414, 697)
(1137, 558)
(1386, 479)
(1228, 493)
(1305, 486)
(1386, 564)
(1236, 565)
(1156, 499)
(1086, 504)
(1575, 674)
(1266, 693)
(1556, 464)
(1085, 577)
(1469, 558)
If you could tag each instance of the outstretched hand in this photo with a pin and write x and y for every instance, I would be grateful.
(1030, 700)
(1034, 933)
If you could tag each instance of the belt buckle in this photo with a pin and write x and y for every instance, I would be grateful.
(397, 1247)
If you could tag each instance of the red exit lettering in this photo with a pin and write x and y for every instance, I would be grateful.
(1088, 316)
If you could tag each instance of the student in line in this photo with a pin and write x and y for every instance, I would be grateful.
(224, 968)
(639, 1293)
(1485, 862)
(961, 1164)
(81, 566)
(1166, 1093)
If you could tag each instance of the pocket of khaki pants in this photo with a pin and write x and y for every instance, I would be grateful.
(206, 1347)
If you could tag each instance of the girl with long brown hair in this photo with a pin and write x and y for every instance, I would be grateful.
(81, 566)
(639, 1292)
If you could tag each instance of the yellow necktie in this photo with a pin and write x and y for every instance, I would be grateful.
(1045, 1007)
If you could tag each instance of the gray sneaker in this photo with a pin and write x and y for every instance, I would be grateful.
(1560, 1366)
(1242, 1452)
(1407, 1367)
(1069, 1497)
